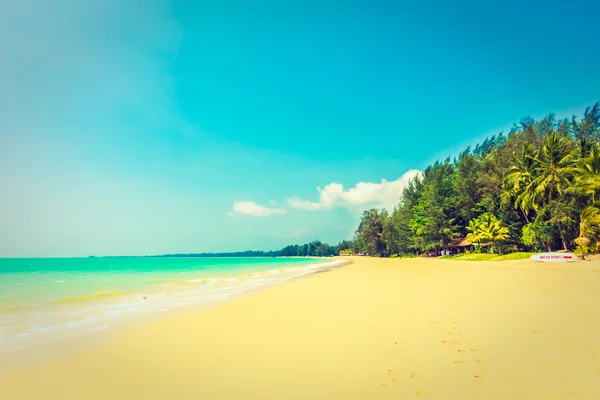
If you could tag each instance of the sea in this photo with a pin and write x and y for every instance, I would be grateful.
(49, 299)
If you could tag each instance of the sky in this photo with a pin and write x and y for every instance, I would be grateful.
(137, 127)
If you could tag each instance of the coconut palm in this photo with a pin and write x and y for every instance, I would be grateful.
(555, 166)
(473, 228)
(588, 174)
(589, 226)
(554, 172)
(518, 181)
(487, 229)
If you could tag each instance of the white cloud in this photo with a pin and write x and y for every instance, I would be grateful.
(252, 209)
(384, 194)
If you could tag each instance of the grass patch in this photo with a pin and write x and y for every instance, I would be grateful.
(490, 257)
(403, 256)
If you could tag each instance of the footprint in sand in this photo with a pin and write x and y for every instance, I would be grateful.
(460, 351)
(478, 377)
(473, 350)
(458, 362)
(422, 393)
(391, 375)
(477, 360)
(444, 341)
(413, 374)
(455, 342)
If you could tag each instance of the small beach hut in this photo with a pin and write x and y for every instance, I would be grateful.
(460, 245)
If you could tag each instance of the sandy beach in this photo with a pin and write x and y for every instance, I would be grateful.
(377, 328)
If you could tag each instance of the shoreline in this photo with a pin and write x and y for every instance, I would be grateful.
(377, 328)
(54, 350)
(92, 301)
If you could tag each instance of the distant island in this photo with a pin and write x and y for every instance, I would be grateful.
(316, 248)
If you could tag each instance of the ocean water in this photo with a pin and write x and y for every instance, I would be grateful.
(43, 300)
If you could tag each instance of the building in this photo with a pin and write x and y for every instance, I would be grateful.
(461, 245)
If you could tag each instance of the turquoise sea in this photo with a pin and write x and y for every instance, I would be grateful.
(43, 300)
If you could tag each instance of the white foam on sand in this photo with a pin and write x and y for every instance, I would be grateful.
(36, 326)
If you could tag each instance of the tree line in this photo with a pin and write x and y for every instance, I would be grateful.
(316, 248)
(534, 189)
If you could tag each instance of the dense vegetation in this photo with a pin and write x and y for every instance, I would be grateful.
(313, 249)
(535, 189)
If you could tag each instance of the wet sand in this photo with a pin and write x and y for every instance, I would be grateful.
(377, 328)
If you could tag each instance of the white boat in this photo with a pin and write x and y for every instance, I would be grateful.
(554, 257)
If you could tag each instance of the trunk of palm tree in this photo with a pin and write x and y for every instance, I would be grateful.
(562, 237)
(497, 247)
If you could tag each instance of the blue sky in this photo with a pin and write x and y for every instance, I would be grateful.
(147, 127)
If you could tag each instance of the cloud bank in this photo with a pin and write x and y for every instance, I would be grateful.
(384, 194)
(252, 209)
(363, 194)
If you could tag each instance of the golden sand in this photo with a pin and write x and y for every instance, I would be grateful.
(389, 329)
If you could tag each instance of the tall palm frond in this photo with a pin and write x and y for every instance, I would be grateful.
(589, 226)
(588, 174)
(555, 168)
(517, 183)
(487, 229)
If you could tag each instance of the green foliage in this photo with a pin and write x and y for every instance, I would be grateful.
(589, 227)
(490, 257)
(314, 249)
(434, 215)
(487, 230)
(538, 235)
(371, 230)
(525, 190)
(528, 237)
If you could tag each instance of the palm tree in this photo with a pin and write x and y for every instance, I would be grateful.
(589, 226)
(473, 228)
(554, 172)
(588, 174)
(518, 181)
(487, 229)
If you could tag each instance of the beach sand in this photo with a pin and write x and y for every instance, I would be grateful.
(377, 328)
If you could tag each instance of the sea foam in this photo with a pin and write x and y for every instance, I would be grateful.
(70, 316)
